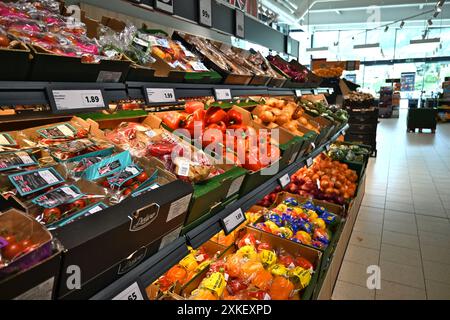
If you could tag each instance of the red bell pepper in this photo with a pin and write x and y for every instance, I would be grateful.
(234, 117)
(194, 120)
(214, 115)
(172, 120)
(192, 106)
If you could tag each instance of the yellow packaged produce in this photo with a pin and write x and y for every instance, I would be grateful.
(247, 252)
(215, 282)
(268, 257)
(278, 270)
(300, 276)
(189, 262)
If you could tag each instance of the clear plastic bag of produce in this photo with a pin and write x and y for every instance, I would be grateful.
(126, 42)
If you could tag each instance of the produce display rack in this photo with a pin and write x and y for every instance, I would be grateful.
(37, 93)
(149, 270)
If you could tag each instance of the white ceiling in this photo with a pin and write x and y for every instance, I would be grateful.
(343, 14)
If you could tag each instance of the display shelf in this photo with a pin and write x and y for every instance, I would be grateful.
(149, 270)
(14, 93)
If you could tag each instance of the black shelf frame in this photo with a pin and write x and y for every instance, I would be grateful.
(149, 270)
(35, 93)
(14, 93)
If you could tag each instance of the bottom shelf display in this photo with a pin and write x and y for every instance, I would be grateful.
(257, 266)
(284, 251)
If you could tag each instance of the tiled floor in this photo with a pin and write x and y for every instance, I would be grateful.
(403, 225)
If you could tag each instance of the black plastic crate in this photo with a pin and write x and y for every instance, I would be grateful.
(356, 128)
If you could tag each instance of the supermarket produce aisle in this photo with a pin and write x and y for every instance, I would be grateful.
(403, 224)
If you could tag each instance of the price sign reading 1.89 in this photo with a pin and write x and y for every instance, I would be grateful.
(90, 99)
(69, 100)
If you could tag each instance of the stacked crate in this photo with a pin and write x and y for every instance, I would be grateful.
(363, 122)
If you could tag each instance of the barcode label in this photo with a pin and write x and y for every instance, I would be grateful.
(25, 157)
(183, 168)
(49, 177)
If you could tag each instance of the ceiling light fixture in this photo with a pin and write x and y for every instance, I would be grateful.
(386, 29)
(402, 24)
(430, 22)
(425, 45)
(367, 49)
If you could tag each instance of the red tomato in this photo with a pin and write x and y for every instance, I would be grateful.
(11, 251)
(27, 245)
(135, 186)
(105, 184)
(128, 183)
(52, 214)
(77, 204)
(143, 176)
(127, 191)
(10, 239)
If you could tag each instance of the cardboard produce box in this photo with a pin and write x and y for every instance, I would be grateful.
(212, 249)
(211, 56)
(295, 249)
(292, 146)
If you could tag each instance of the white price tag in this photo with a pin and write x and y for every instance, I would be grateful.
(131, 293)
(315, 92)
(298, 93)
(78, 99)
(164, 5)
(223, 94)
(48, 176)
(240, 24)
(205, 12)
(313, 145)
(309, 162)
(183, 168)
(327, 147)
(284, 180)
(232, 221)
(160, 95)
(198, 66)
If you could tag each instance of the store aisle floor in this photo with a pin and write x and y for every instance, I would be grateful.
(403, 224)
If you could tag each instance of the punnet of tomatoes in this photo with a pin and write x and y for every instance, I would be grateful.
(226, 131)
(20, 235)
